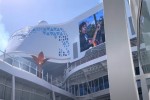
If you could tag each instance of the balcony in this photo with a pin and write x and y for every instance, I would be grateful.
(91, 54)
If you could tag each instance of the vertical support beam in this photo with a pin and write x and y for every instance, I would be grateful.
(145, 93)
(36, 71)
(51, 79)
(119, 58)
(144, 89)
(13, 87)
(53, 93)
(47, 77)
(42, 73)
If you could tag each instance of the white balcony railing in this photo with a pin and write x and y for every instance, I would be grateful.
(28, 66)
(91, 54)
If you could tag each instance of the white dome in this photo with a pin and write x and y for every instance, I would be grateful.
(42, 22)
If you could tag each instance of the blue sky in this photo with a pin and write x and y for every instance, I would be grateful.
(16, 14)
(90, 19)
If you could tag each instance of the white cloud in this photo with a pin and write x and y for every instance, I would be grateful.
(100, 1)
(3, 35)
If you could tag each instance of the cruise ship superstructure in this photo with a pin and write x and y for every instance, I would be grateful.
(69, 72)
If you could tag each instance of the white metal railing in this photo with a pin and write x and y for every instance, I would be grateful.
(91, 54)
(28, 66)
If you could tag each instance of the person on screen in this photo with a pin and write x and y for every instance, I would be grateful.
(85, 43)
(100, 37)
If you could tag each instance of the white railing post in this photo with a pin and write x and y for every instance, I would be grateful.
(30, 67)
(36, 70)
(51, 79)
(53, 94)
(67, 65)
(12, 61)
(47, 77)
(13, 87)
(42, 74)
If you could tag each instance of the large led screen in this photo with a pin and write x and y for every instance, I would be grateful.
(91, 31)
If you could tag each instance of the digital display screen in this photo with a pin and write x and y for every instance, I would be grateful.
(91, 31)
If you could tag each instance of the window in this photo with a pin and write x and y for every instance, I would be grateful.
(91, 87)
(72, 89)
(85, 88)
(137, 72)
(81, 89)
(106, 83)
(101, 85)
(96, 85)
(76, 90)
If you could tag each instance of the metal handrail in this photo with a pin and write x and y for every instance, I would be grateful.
(28, 68)
(87, 58)
(21, 65)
